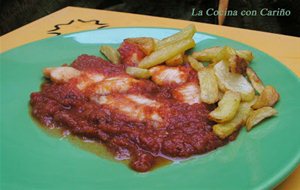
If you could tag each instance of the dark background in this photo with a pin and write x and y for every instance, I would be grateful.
(16, 13)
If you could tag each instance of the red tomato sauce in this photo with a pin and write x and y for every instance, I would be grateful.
(186, 130)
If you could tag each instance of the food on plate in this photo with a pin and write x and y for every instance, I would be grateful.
(147, 45)
(61, 74)
(245, 54)
(227, 107)
(223, 130)
(208, 54)
(233, 81)
(186, 33)
(151, 100)
(237, 65)
(111, 54)
(224, 54)
(138, 72)
(165, 75)
(209, 92)
(268, 97)
(196, 65)
(176, 60)
(211, 54)
(255, 80)
(168, 52)
(258, 115)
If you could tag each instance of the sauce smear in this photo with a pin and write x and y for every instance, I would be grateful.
(135, 120)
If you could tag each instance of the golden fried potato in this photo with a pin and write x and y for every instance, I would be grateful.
(237, 64)
(138, 72)
(224, 54)
(227, 107)
(233, 81)
(245, 54)
(175, 61)
(147, 45)
(185, 33)
(268, 97)
(216, 54)
(111, 54)
(258, 115)
(209, 92)
(223, 130)
(221, 94)
(255, 80)
(208, 54)
(161, 55)
(196, 65)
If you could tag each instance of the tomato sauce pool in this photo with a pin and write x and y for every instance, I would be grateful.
(186, 130)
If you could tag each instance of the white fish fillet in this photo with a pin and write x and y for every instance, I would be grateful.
(114, 84)
(136, 107)
(61, 74)
(188, 93)
(163, 75)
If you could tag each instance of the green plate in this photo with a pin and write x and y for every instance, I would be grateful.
(31, 159)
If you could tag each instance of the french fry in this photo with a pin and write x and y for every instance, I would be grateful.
(207, 55)
(258, 115)
(211, 54)
(196, 65)
(255, 80)
(185, 33)
(228, 52)
(138, 72)
(233, 81)
(111, 54)
(227, 107)
(224, 54)
(245, 54)
(223, 130)
(175, 61)
(209, 92)
(161, 55)
(237, 64)
(147, 45)
(267, 98)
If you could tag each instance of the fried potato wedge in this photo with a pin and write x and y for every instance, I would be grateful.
(175, 61)
(223, 130)
(111, 54)
(255, 80)
(138, 72)
(161, 55)
(209, 92)
(245, 54)
(237, 65)
(268, 97)
(185, 33)
(224, 54)
(208, 54)
(258, 115)
(227, 107)
(221, 94)
(233, 81)
(196, 65)
(147, 45)
(214, 54)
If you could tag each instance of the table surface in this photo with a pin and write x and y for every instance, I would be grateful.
(286, 49)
